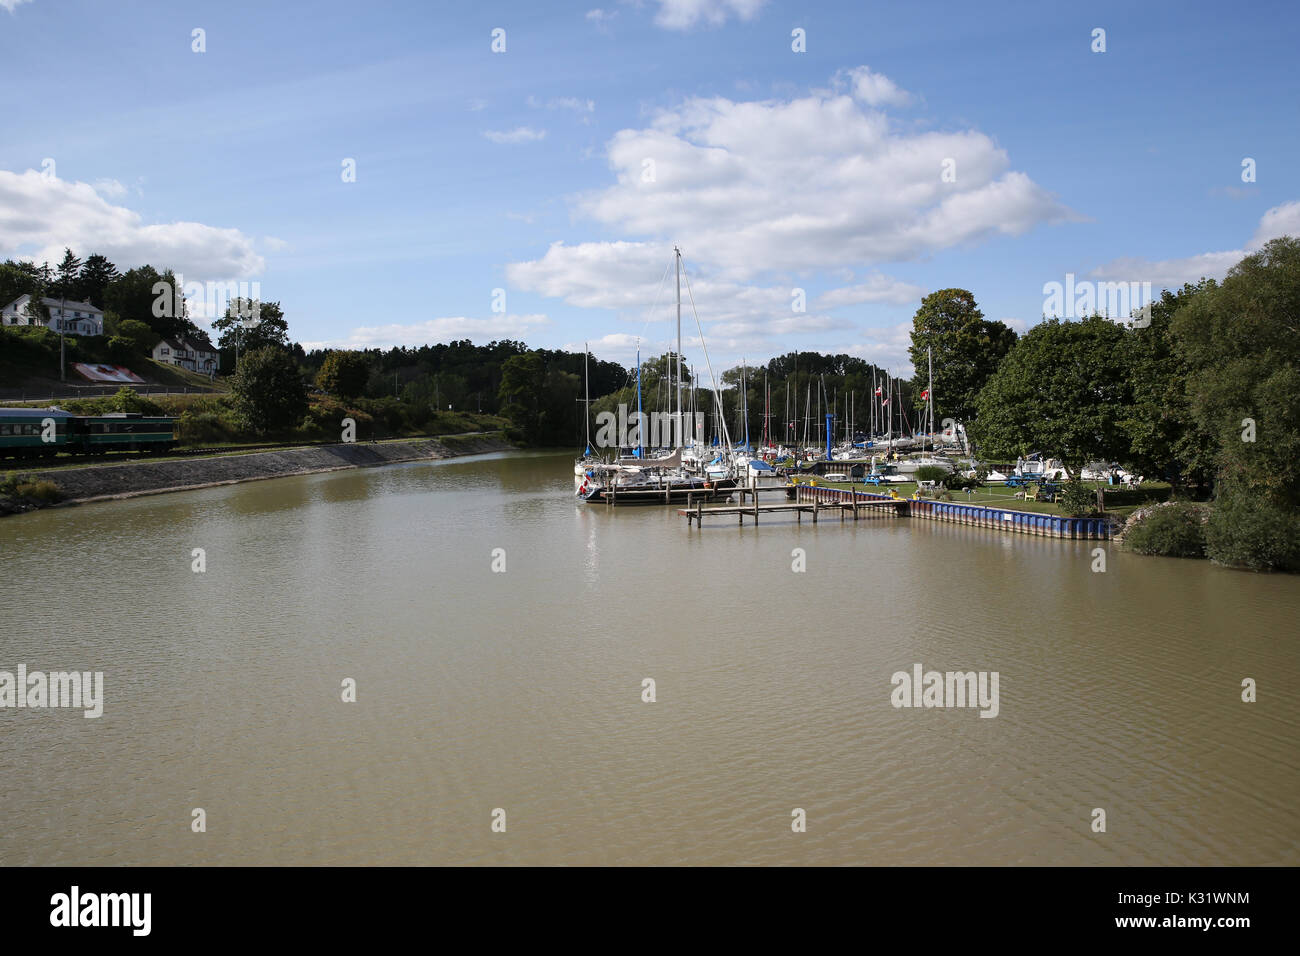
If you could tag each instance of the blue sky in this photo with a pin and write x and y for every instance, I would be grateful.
(526, 170)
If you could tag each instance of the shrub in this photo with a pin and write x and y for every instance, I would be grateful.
(46, 491)
(1248, 531)
(1171, 530)
(127, 400)
(931, 473)
(1078, 499)
(25, 486)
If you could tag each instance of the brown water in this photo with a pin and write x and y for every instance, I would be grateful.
(522, 690)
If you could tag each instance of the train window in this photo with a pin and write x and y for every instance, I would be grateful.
(4, 430)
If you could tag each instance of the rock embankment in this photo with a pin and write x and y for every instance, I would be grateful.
(153, 477)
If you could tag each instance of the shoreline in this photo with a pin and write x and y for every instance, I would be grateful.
(135, 479)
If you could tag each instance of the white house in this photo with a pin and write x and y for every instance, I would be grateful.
(194, 352)
(70, 318)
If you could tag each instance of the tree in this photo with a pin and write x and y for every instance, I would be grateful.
(96, 276)
(344, 373)
(268, 390)
(522, 380)
(249, 325)
(1241, 343)
(1165, 441)
(966, 347)
(1061, 390)
(142, 339)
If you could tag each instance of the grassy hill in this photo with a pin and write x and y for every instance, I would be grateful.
(29, 359)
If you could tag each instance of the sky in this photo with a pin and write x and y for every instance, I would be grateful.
(401, 173)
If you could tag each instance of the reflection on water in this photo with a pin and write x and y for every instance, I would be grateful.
(522, 689)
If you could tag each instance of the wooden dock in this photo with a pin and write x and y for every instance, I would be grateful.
(846, 502)
(854, 507)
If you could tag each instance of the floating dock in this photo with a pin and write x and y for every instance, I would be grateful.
(809, 499)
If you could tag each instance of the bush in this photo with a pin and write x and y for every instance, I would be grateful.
(24, 486)
(1248, 531)
(956, 482)
(46, 491)
(205, 428)
(1171, 530)
(127, 400)
(931, 473)
(1078, 499)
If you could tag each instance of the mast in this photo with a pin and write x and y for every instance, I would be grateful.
(639, 417)
(929, 393)
(586, 396)
(677, 253)
(744, 399)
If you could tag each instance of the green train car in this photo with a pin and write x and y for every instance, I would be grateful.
(45, 432)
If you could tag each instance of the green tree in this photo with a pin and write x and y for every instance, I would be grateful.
(1165, 441)
(142, 338)
(344, 373)
(1241, 343)
(268, 391)
(1062, 390)
(249, 325)
(967, 349)
(523, 378)
(96, 275)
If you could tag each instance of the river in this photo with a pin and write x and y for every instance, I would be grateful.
(522, 689)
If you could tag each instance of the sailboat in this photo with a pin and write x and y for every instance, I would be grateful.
(927, 457)
(663, 480)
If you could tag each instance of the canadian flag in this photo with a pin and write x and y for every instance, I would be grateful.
(884, 401)
(925, 394)
(877, 389)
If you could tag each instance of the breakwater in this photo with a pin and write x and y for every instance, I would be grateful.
(146, 477)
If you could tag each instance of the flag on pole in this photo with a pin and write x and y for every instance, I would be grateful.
(877, 389)
(884, 401)
(925, 394)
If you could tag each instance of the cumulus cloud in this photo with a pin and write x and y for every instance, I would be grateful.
(444, 329)
(1283, 220)
(41, 215)
(685, 14)
(877, 288)
(874, 89)
(520, 134)
(811, 183)
(11, 4)
(632, 277)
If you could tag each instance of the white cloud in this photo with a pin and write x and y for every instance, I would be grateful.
(811, 183)
(443, 329)
(39, 216)
(877, 288)
(600, 17)
(274, 244)
(685, 14)
(874, 89)
(11, 4)
(1283, 220)
(521, 134)
(109, 188)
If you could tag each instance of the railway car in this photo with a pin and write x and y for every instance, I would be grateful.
(122, 431)
(45, 432)
(34, 432)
